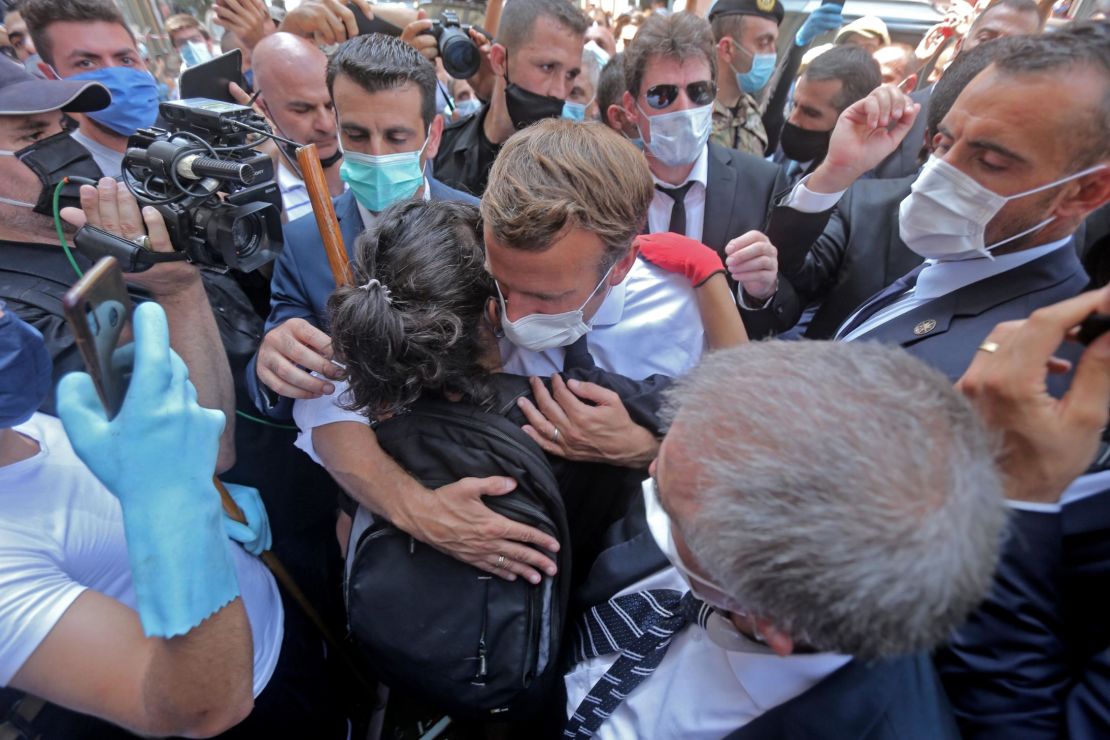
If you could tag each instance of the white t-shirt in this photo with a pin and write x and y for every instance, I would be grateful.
(61, 532)
(648, 324)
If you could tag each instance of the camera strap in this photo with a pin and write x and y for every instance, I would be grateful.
(95, 243)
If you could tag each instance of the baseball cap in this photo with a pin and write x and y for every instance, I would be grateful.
(23, 94)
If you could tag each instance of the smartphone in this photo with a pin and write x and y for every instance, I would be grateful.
(209, 80)
(373, 25)
(1093, 327)
(98, 311)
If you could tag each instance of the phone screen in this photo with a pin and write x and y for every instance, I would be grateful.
(98, 311)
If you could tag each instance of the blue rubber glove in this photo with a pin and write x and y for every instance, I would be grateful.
(825, 18)
(254, 536)
(157, 457)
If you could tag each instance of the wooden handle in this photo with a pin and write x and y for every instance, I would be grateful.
(326, 221)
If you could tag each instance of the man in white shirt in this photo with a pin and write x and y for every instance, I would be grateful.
(789, 601)
(289, 75)
(559, 243)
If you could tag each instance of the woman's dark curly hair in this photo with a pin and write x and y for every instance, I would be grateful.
(410, 320)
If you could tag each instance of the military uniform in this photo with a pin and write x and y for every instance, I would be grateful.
(740, 127)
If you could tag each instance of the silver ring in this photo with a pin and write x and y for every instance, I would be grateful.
(991, 347)
(143, 242)
(555, 435)
(500, 561)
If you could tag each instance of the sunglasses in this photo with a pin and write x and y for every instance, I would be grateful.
(700, 93)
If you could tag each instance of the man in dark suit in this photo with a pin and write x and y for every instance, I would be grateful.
(1032, 661)
(384, 96)
(838, 258)
(768, 589)
(704, 191)
(1001, 20)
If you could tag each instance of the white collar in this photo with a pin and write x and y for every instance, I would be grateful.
(287, 179)
(700, 172)
(771, 680)
(944, 277)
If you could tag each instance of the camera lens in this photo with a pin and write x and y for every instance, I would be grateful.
(246, 233)
(460, 56)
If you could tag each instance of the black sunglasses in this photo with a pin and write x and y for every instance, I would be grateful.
(700, 93)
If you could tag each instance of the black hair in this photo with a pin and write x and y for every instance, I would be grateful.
(39, 14)
(377, 62)
(856, 69)
(519, 17)
(411, 320)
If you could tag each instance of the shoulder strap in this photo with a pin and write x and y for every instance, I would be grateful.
(17, 722)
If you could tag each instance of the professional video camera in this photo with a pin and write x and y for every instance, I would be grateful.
(460, 56)
(215, 191)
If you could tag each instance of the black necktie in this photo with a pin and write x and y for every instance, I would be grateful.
(678, 210)
(640, 627)
(880, 300)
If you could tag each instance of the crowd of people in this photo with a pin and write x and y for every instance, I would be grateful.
(680, 381)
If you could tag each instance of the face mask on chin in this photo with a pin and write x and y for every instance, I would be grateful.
(678, 138)
(946, 213)
(541, 331)
(52, 159)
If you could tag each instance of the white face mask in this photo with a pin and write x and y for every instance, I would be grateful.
(195, 52)
(719, 627)
(678, 138)
(540, 331)
(946, 213)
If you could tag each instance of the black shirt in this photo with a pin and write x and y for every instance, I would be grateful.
(466, 155)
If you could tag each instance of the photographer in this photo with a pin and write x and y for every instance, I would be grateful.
(35, 273)
(535, 60)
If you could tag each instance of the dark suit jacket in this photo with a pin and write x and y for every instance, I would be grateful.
(897, 699)
(739, 195)
(903, 161)
(841, 257)
(302, 280)
(955, 324)
(893, 699)
(1034, 660)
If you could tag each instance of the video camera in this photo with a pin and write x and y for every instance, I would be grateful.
(215, 191)
(460, 56)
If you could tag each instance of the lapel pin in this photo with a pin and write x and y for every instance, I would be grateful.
(925, 327)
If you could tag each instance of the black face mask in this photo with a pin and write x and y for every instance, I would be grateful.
(291, 152)
(525, 108)
(54, 158)
(803, 145)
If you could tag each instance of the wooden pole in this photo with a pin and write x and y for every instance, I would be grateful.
(317, 185)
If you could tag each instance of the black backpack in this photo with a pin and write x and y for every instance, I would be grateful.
(473, 645)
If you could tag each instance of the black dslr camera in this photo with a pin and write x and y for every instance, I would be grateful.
(460, 56)
(215, 191)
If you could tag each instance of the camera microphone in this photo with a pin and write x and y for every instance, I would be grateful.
(198, 167)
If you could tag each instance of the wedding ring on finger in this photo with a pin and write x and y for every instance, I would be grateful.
(500, 562)
(555, 435)
(143, 242)
(989, 346)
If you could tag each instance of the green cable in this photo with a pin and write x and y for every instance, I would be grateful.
(256, 420)
(58, 226)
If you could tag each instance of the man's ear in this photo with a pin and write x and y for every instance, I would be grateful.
(623, 265)
(776, 639)
(435, 134)
(724, 49)
(498, 59)
(1085, 195)
(614, 118)
(631, 113)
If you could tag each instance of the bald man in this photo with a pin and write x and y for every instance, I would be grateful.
(290, 75)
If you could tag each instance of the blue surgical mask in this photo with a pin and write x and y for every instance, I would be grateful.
(134, 98)
(575, 111)
(755, 79)
(379, 181)
(25, 370)
(466, 107)
(194, 53)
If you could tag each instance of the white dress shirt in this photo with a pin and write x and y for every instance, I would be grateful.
(939, 278)
(294, 194)
(659, 212)
(647, 324)
(699, 690)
